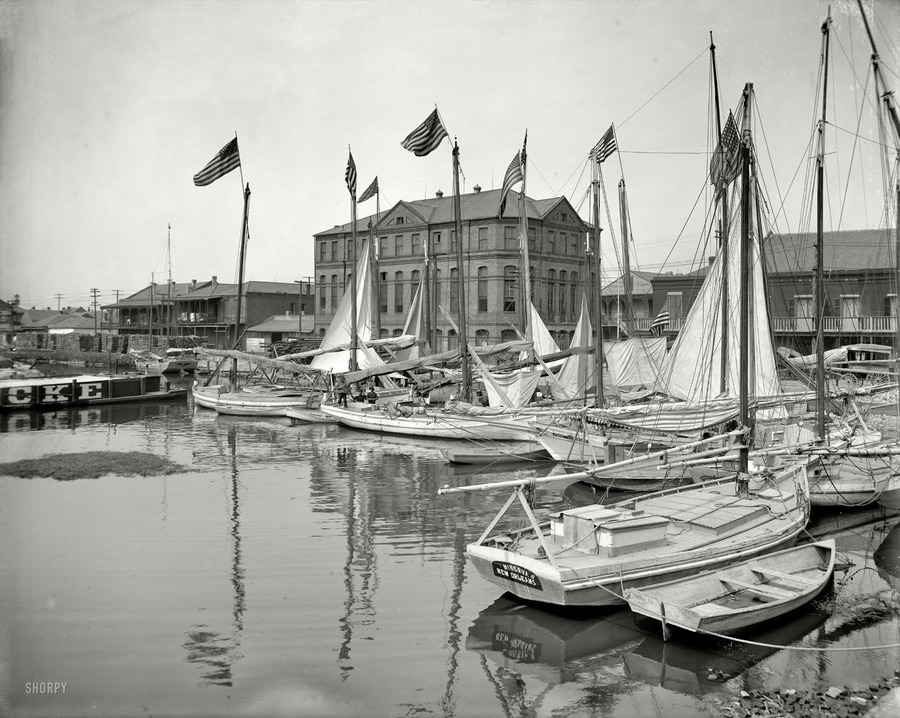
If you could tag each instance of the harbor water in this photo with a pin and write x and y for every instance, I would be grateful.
(314, 570)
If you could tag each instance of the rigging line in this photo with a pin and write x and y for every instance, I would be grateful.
(852, 157)
(883, 144)
(655, 152)
(702, 54)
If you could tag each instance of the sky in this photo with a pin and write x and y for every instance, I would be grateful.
(108, 109)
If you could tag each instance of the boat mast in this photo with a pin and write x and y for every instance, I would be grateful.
(169, 312)
(722, 197)
(464, 391)
(887, 98)
(595, 248)
(524, 254)
(626, 259)
(820, 249)
(245, 231)
(744, 336)
(374, 256)
(353, 309)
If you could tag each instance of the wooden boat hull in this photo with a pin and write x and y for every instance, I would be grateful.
(254, 402)
(847, 483)
(87, 389)
(654, 538)
(741, 596)
(434, 424)
(499, 452)
(565, 444)
(308, 416)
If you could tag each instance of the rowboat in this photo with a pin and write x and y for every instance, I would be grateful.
(496, 452)
(730, 600)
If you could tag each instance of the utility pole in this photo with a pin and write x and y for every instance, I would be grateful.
(94, 293)
(58, 302)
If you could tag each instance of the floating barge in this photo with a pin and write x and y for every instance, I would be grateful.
(85, 389)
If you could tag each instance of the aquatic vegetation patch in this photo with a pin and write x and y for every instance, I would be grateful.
(91, 465)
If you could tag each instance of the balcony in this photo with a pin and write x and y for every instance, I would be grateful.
(836, 325)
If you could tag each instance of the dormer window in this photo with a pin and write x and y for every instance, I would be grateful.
(399, 220)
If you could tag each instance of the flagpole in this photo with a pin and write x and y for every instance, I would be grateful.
(240, 167)
(353, 311)
(526, 257)
(245, 231)
(598, 298)
(460, 276)
(374, 257)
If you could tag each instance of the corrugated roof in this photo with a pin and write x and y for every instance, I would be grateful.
(851, 249)
(285, 324)
(641, 283)
(473, 206)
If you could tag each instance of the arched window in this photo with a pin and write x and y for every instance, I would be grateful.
(438, 340)
(482, 338)
(398, 292)
(454, 291)
(397, 332)
(322, 296)
(382, 333)
(482, 289)
(334, 292)
(452, 339)
(382, 292)
(551, 292)
(574, 294)
(562, 295)
(508, 335)
(510, 286)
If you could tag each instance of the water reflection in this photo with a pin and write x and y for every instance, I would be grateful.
(214, 653)
(75, 417)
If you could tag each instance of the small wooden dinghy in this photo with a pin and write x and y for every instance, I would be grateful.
(497, 452)
(741, 596)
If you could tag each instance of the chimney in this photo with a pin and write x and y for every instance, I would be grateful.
(439, 194)
(215, 279)
(193, 284)
(711, 260)
(477, 188)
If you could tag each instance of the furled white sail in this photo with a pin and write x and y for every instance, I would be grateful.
(415, 326)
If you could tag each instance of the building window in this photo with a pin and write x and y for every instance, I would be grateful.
(334, 292)
(551, 291)
(399, 220)
(398, 245)
(532, 238)
(562, 295)
(452, 339)
(563, 217)
(414, 279)
(574, 303)
(508, 335)
(322, 248)
(563, 247)
(452, 240)
(398, 292)
(551, 243)
(438, 340)
(382, 292)
(416, 248)
(482, 338)
(381, 246)
(436, 243)
(482, 289)
(437, 288)
(454, 291)
(510, 238)
(334, 252)
(322, 297)
(510, 274)
(574, 238)
(482, 238)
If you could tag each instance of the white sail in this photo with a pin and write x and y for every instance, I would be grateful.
(415, 326)
(692, 370)
(577, 372)
(635, 362)
(340, 330)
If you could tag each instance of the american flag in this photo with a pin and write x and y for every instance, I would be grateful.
(350, 175)
(225, 160)
(662, 320)
(724, 165)
(370, 192)
(606, 146)
(513, 175)
(426, 137)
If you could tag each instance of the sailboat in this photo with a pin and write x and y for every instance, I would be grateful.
(590, 555)
(261, 399)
